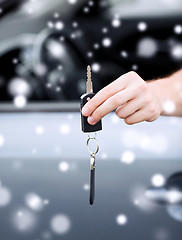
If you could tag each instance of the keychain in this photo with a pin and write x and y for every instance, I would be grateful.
(87, 128)
(92, 167)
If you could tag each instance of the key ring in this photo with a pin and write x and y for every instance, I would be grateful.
(92, 153)
(94, 135)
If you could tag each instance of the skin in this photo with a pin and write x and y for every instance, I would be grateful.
(135, 100)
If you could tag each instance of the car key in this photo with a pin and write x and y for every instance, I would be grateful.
(86, 127)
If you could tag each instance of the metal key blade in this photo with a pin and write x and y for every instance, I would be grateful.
(89, 80)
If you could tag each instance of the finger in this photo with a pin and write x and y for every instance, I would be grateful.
(130, 107)
(112, 103)
(116, 86)
(139, 116)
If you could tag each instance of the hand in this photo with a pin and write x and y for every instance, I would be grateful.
(134, 100)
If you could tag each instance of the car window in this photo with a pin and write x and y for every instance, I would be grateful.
(45, 47)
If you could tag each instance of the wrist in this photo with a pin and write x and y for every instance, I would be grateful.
(160, 92)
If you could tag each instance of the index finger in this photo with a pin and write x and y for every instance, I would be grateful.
(105, 93)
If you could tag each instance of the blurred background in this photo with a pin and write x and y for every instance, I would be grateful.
(45, 47)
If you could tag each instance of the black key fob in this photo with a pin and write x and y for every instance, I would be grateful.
(86, 127)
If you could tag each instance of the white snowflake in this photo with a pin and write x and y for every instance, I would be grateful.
(105, 30)
(20, 101)
(124, 54)
(176, 51)
(5, 196)
(169, 106)
(50, 24)
(91, 3)
(39, 130)
(116, 23)
(128, 157)
(90, 54)
(59, 25)
(106, 42)
(178, 29)
(62, 38)
(1, 140)
(60, 224)
(142, 26)
(56, 15)
(86, 9)
(72, 1)
(24, 220)
(86, 187)
(15, 61)
(34, 150)
(121, 219)
(147, 47)
(75, 24)
(64, 129)
(96, 67)
(64, 166)
(104, 156)
(158, 180)
(96, 46)
(134, 67)
(34, 201)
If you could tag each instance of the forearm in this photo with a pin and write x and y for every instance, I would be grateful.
(169, 93)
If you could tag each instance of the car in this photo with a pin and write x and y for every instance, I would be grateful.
(45, 47)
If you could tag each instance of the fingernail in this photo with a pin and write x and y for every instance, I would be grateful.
(85, 111)
(91, 120)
